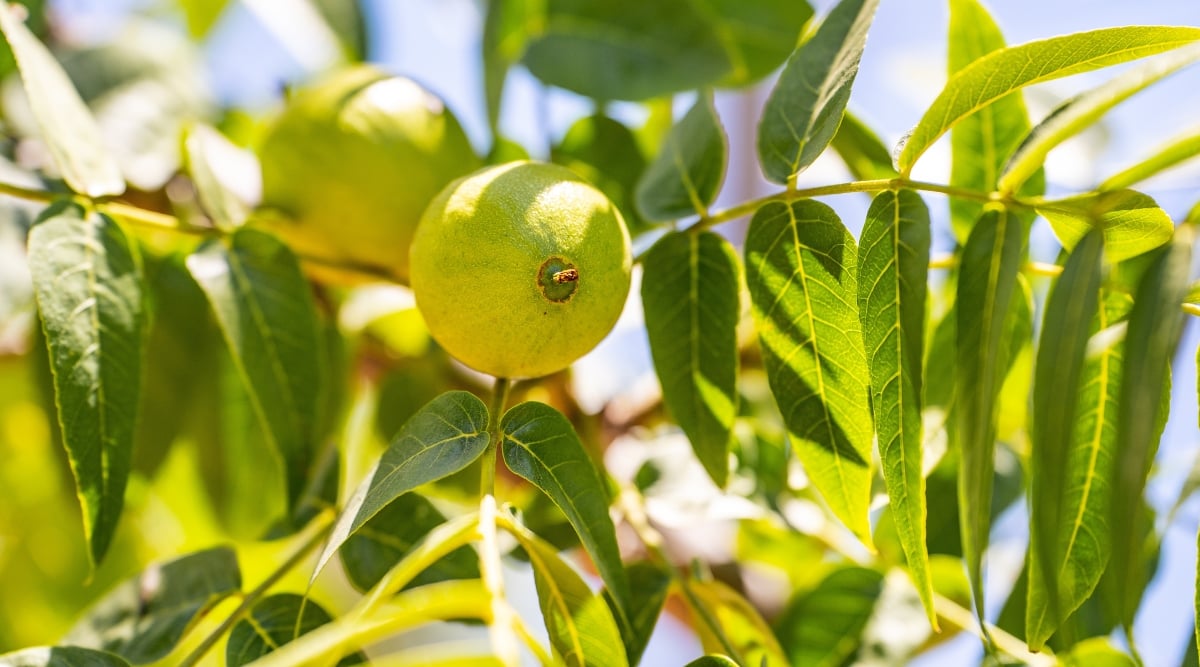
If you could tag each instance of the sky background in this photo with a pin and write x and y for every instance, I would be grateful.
(248, 59)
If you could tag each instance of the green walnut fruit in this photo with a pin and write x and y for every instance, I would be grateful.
(520, 269)
(351, 163)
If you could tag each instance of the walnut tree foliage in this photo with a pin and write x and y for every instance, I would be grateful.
(253, 464)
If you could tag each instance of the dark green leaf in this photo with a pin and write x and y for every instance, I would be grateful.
(1058, 372)
(1155, 323)
(758, 36)
(273, 622)
(443, 437)
(740, 624)
(1132, 222)
(67, 127)
(690, 295)
(981, 142)
(1164, 157)
(1001, 72)
(806, 106)
(626, 49)
(893, 261)
(649, 585)
(1085, 109)
(541, 446)
(88, 284)
(987, 287)
(144, 618)
(61, 656)
(861, 149)
(801, 266)
(687, 174)
(266, 314)
(580, 625)
(390, 535)
(605, 153)
(824, 626)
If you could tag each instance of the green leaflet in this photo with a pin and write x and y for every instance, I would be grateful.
(987, 285)
(893, 265)
(201, 15)
(1001, 72)
(443, 437)
(649, 585)
(1132, 222)
(581, 627)
(145, 617)
(712, 661)
(981, 142)
(1164, 157)
(506, 27)
(1078, 113)
(824, 626)
(806, 105)
(88, 284)
(687, 174)
(61, 656)
(541, 446)
(266, 314)
(607, 154)
(1155, 323)
(690, 295)
(802, 269)
(1059, 371)
(68, 128)
(738, 622)
(390, 535)
(273, 622)
(861, 150)
(1083, 540)
(1098, 652)
(632, 50)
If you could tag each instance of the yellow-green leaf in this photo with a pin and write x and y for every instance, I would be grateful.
(1164, 157)
(893, 264)
(1132, 222)
(1001, 72)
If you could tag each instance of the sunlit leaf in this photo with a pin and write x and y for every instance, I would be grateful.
(865, 155)
(61, 656)
(690, 295)
(1098, 652)
(801, 266)
(1132, 222)
(67, 126)
(712, 661)
(580, 625)
(1059, 372)
(1155, 323)
(390, 535)
(506, 27)
(88, 284)
(201, 15)
(541, 446)
(806, 105)
(981, 142)
(273, 622)
(144, 618)
(987, 286)
(687, 174)
(204, 146)
(265, 311)
(443, 437)
(1164, 157)
(1001, 72)
(824, 626)
(741, 625)
(1081, 111)
(893, 264)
